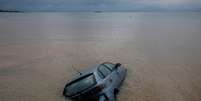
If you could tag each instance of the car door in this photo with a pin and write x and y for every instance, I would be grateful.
(104, 73)
(108, 79)
(115, 77)
(109, 76)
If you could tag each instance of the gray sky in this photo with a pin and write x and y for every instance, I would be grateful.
(65, 5)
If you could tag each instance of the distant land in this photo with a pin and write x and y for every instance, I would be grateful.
(100, 11)
(9, 10)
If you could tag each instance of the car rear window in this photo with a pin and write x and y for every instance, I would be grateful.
(110, 65)
(104, 71)
(80, 85)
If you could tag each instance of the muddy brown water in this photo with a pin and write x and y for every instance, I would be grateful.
(162, 52)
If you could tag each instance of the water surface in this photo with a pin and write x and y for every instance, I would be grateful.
(162, 52)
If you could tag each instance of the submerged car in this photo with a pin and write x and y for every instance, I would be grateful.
(100, 83)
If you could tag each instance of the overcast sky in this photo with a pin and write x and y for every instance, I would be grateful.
(66, 5)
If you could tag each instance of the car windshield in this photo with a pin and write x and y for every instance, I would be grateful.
(80, 85)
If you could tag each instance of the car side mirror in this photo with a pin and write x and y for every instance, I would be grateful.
(117, 65)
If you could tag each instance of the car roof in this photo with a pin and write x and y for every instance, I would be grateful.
(84, 73)
(90, 70)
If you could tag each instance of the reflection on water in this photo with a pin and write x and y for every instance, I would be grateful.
(162, 52)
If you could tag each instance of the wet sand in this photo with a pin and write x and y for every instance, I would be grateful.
(162, 52)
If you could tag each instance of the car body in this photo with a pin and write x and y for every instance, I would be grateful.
(99, 83)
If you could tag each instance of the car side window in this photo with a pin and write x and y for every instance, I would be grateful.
(103, 71)
(100, 74)
(110, 66)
